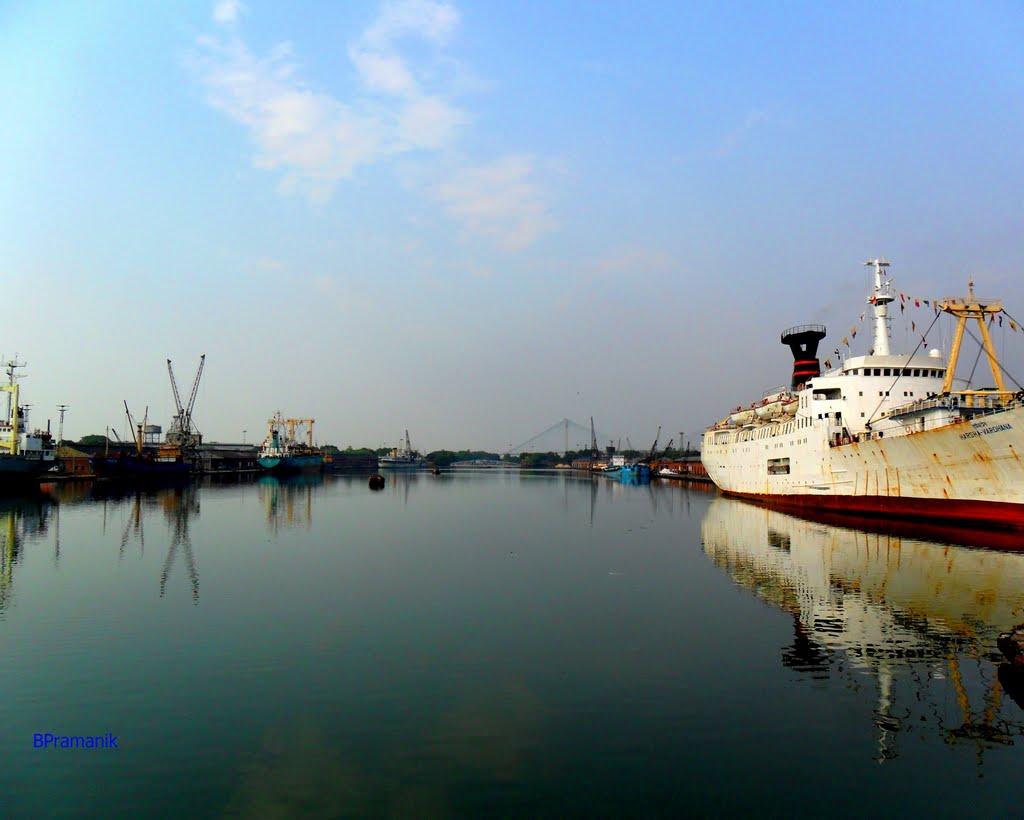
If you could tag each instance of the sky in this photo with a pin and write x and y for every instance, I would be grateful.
(470, 220)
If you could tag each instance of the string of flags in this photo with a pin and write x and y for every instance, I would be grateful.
(916, 302)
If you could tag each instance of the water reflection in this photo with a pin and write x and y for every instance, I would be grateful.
(22, 520)
(177, 503)
(916, 618)
(288, 500)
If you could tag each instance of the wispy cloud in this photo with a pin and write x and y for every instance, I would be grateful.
(403, 105)
(731, 141)
(500, 200)
(309, 134)
(227, 12)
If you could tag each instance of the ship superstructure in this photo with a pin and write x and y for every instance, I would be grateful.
(402, 457)
(281, 452)
(24, 453)
(882, 433)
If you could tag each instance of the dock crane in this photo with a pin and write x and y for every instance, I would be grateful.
(593, 438)
(654, 447)
(183, 431)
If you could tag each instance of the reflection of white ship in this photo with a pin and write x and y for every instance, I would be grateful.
(882, 434)
(402, 457)
(907, 612)
(22, 520)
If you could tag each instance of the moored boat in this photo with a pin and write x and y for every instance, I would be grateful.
(282, 453)
(882, 434)
(24, 454)
(638, 470)
(402, 458)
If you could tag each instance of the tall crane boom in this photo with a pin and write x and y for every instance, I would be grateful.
(655, 445)
(195, 388)
(183, 431)
(174, 388)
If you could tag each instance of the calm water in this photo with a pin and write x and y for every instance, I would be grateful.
(495, 644)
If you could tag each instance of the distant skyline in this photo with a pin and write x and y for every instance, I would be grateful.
(470, 220)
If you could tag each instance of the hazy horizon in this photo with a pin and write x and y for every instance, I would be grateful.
(472, 220)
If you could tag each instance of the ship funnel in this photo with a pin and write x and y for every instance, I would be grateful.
(803, 341)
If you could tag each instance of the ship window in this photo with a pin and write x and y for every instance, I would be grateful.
(861, 393)
(917, 372)
(778, 466)
(887, 372)
(862, 415)
(876, 372)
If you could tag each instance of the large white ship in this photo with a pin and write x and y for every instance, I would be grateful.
(882, 434)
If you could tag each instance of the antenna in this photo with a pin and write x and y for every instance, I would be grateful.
(60, 429)
(12, 365)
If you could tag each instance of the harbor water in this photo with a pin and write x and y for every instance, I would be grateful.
(495, 643)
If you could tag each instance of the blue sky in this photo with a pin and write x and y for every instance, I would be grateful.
(471, 220)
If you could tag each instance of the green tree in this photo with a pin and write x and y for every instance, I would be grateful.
(93, 440)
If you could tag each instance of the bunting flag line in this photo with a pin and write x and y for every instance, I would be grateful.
(846, 341)
(828, 363)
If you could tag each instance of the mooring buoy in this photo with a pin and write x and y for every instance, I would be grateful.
(376, 482)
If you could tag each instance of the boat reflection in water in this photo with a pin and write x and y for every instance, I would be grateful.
(23, 519)
(919, 617)
(288, 499)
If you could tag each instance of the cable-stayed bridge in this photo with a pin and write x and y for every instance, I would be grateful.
(560, 437)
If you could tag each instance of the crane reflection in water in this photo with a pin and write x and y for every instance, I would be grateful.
(178, 504)
(919, 617)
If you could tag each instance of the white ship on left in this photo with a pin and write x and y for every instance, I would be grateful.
(24, 453)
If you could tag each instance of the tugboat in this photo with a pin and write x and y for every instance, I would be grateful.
(24, 455)
(281, 453)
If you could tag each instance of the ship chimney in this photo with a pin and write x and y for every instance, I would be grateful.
(803, 341)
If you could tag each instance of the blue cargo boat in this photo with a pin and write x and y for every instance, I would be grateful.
(639, 471)
(281, 453)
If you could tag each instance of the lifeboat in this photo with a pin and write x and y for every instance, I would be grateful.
(742, 417)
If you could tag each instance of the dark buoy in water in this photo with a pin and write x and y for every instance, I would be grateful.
(376, 482)
(437, 471)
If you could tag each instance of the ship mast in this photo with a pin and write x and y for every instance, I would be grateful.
(971, 307)
(880, 299)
